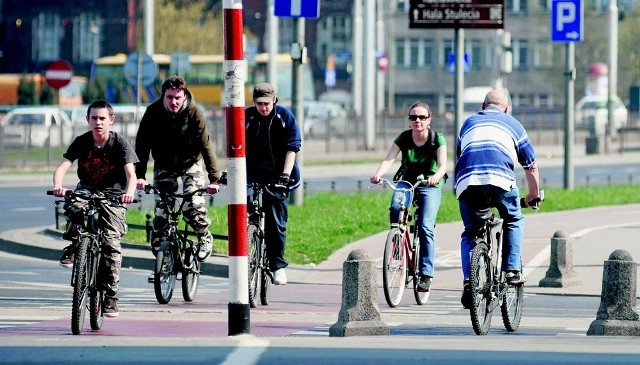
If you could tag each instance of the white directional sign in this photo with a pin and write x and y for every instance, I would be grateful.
(567, 20)
(297, 8)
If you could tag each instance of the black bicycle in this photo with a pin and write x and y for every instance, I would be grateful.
(86, 273)
(260, 276)
(488, 282)
(177, 255)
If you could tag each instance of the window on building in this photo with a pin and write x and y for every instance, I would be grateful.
(447, 49)
(402, 6)
(520, 54)
(474, 50)
(400, 56)
(428, 49)
(516, 6)
(414, 49)
(46, 34)
(87, 35)
(543, 54)
(544, 5)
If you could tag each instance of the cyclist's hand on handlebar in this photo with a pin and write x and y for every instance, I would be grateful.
(431, 181)
(375, 179)
(59, 191)
(141, 183)
(533, 199)
(127, 199)
(284, 179)
(213, 188)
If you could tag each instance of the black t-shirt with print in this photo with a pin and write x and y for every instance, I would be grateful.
(102, 168)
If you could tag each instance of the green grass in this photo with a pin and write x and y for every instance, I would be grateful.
(326, 222)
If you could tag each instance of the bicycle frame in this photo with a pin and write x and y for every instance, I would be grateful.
(177, 253)
(408, 256)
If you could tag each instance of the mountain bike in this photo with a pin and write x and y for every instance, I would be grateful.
(401, 260)
(86, 273)
(178, 252)
(488, 282)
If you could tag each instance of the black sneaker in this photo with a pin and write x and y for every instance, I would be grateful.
(515, 278)
(110, 307)
(467, 299)
(68, 255)
(425, 284)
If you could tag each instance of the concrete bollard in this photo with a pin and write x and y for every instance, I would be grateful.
(617, 315)
(560, 273)
(359, 314)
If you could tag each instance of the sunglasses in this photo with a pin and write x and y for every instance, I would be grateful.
(414, 117)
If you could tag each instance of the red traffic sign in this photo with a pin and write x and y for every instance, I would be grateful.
(58, 74)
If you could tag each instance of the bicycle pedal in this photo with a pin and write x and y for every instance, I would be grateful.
(150, 279)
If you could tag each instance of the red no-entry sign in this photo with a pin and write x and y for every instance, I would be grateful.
(58, 74)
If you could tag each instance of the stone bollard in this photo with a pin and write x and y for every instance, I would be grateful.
(560, 273)
(359, 314)
(617, 315)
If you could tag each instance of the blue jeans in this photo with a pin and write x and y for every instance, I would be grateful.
(477, 198)
(428, 202)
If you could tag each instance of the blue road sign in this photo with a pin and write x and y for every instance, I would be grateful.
(297, 8)
(567, 20)
(451, 63)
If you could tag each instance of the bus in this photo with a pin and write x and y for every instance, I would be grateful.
(204, 76)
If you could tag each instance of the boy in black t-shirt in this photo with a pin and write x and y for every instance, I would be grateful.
(106, 165)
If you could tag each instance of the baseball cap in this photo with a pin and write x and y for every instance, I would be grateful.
(264, 92)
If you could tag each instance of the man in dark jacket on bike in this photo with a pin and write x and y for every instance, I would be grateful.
(273, 139)
(174, 130)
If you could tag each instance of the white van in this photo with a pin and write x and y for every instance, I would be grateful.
(37, 126)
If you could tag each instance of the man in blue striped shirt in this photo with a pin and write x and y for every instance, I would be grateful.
(489, 145)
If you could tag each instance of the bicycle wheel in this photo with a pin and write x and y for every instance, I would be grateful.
(96, 297)
(164, 279)
(480, 281)
(80, 289)
(265, 284)
(394, 269)
(255, 273)
(96, 302)
(190, 276)
(512, 307)
(421, 297)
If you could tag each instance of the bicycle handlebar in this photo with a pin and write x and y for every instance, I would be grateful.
(524, 204)
(150, 189)
(69, 192)
(394, 187)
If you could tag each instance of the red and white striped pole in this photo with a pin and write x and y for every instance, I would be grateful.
(234, 79)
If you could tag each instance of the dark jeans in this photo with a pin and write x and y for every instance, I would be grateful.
(276, 215)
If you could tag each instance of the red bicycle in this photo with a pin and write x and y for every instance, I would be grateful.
(402, 251)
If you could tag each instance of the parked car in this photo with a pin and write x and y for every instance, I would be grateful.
(591, 113)
(320, 114)
(35, 126)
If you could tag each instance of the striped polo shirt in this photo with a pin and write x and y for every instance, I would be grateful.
(489, 144)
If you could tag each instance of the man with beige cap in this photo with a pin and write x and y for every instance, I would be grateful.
(273, 139)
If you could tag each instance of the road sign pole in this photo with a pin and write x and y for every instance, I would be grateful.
(569, 102)
(234, 79)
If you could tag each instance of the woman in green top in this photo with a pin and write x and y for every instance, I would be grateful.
(424, 153)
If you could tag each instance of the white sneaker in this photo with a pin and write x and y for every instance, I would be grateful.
(279, 277)
(206, 245)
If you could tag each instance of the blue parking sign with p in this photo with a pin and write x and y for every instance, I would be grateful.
(567, 20)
